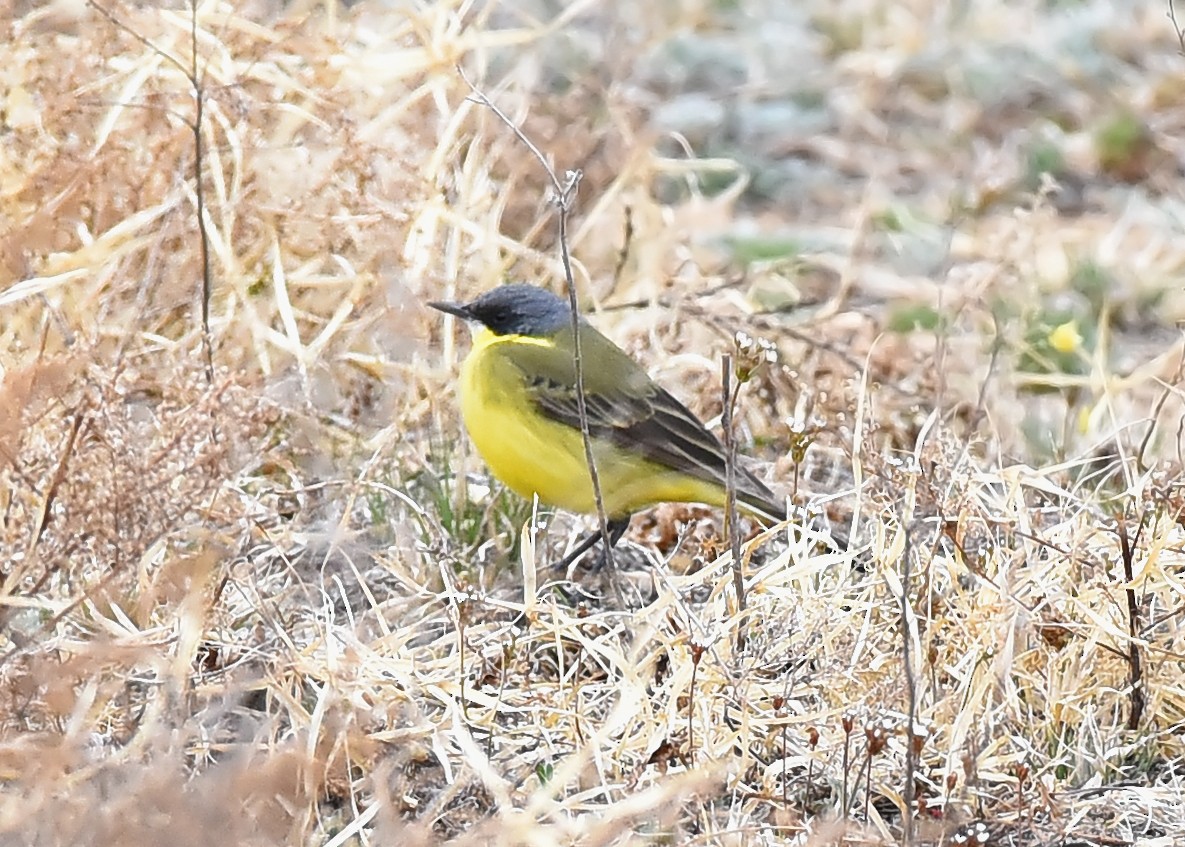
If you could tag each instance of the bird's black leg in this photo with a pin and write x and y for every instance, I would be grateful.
(616, 527)
(589, 539)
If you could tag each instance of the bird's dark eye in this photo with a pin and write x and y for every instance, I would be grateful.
(503, 320)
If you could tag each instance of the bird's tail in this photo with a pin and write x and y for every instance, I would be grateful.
(755, 497)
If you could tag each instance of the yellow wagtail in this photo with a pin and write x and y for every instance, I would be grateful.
(518, 400)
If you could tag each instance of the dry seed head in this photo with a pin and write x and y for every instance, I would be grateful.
(972, 835)
(751, 354)
(877, 734)
(802, 435)
(922, 730)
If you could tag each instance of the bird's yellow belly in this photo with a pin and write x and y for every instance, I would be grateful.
(535, 455)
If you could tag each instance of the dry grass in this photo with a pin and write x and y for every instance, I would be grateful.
(273, 604)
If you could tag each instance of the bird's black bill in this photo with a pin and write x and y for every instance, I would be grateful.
(460, 310)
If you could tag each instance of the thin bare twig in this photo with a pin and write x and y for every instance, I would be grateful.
(194, 76)
(1157, 409)
(730, 494)
(1176, 27)
(565, 195)
(199, 97)
(1127, 547)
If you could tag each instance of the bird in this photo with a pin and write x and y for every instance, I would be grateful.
(519, 404)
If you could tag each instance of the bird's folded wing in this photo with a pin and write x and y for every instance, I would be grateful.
(627, 409)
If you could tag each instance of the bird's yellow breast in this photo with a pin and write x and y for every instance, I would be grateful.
(534, 454)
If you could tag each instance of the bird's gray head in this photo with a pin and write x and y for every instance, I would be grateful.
(515, 309)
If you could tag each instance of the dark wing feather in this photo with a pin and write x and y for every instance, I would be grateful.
(627, 408)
